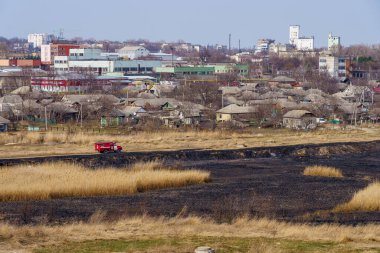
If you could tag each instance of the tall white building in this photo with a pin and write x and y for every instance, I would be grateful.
(263, 45)
(333, 42)
(305, 43)
(294, 33)
(301, 43)
(45, 54)
(37, 39)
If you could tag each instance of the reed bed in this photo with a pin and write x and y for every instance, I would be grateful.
(322, 171)
(367, 199)
(149, 227)
(60, 180)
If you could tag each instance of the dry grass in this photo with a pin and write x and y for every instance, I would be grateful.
(51, 143)
(322, 171)
(59, 180)
(148, 227)
(367, 199)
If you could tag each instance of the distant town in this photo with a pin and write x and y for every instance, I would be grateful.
(47, 80)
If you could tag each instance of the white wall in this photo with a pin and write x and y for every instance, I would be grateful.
(86, 54)
(294, 33)
(134, 53)
(305, 44)
(61, 63)
(106, 66)
(333, 41)
(45, 53)
(37, 39)
(334, 66)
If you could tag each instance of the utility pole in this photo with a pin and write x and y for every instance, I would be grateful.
(45, 120)
(239, 46)
(229, 43)
(81, 115)
(183, 90)
(222, 99)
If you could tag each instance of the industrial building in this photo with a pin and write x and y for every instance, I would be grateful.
(263, 45)
(333, 42)
(133, 52)
(49, 51)
(242, 69)
(302, 43)
(74, 82)
(89, 59)
(38, 39)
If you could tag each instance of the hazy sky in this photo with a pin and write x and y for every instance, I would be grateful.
(196, 21)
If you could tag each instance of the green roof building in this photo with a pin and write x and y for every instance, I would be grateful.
(205, 70)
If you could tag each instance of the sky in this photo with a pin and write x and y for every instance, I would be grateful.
(196, 21)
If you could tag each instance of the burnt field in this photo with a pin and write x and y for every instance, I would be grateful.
(260, 183)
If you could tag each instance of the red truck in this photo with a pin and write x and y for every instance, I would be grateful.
(105, 147)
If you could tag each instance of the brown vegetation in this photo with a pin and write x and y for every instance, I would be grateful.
(58, 180)
(367, 199)
(182, 227)
(51, 143)
(322, 171)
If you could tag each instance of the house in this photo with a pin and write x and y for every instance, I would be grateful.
(161, 89)
(133, 52)
(134, 113)
(274, 95)
(235, 112)
(23, 90)
(282, 80)
(31, 109)
(230, 90)
(89, 99)
(155, 103)
(131, 111)
(11, 100)
(115, 117)
(352, 111)
(59, 111)
(180, 117)
(299, 119)
(356, 93)
(4, 124)
(8, 104)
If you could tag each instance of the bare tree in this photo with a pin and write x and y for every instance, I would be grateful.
(324, 82)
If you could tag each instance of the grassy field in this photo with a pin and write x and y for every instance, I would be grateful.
(322, 171)
(59, 180)
(22, 144)
(184, 234)
(367, 199)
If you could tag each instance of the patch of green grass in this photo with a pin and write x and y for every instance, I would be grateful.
(188, 244)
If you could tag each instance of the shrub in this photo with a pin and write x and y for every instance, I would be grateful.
(367, 199)
(322, 171)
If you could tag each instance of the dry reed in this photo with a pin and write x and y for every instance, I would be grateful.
(144, 226)
(59, 180)
(322, 171)
(53, 143)
(367, 199)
